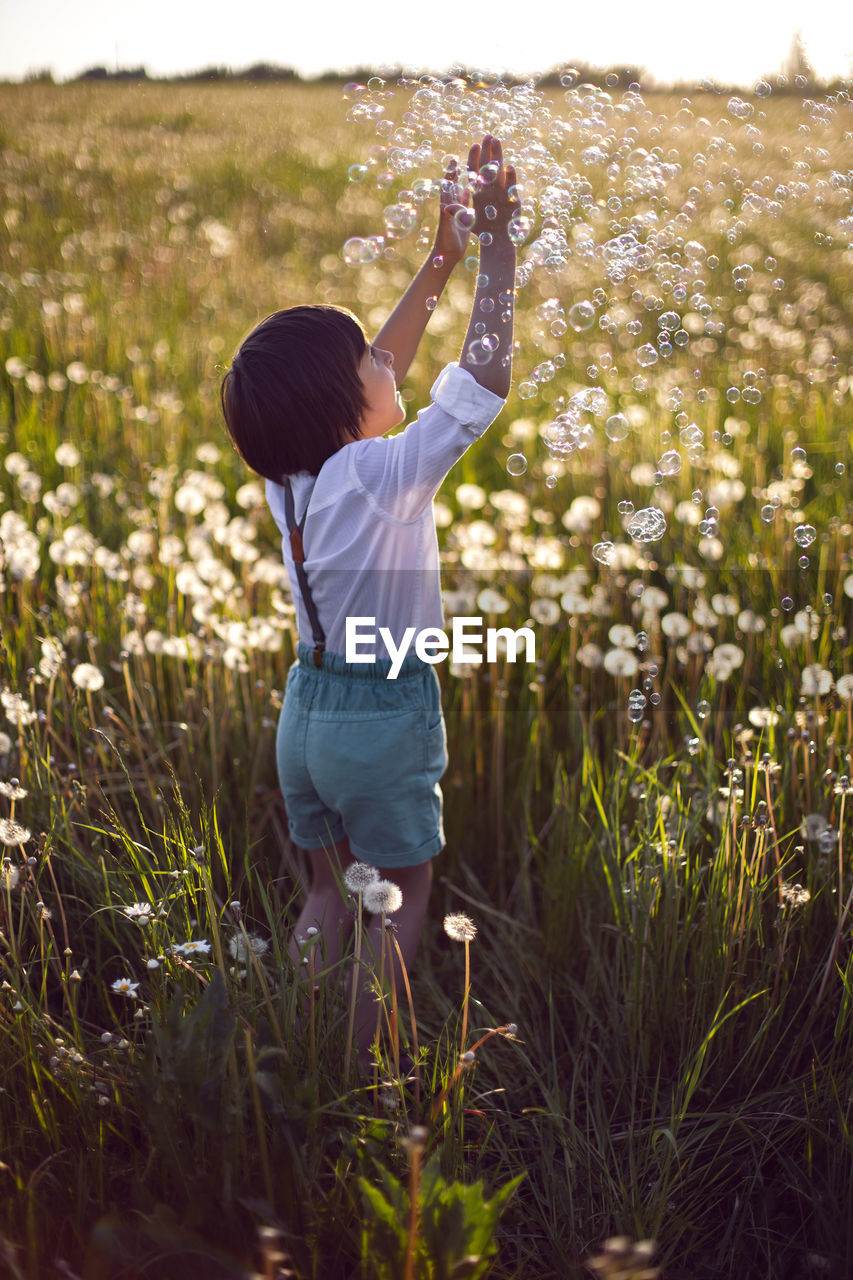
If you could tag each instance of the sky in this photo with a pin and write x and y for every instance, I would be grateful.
(731, 41)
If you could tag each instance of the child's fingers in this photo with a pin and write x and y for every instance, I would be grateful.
(511, 179)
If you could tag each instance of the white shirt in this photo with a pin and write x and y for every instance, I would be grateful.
(371, 548)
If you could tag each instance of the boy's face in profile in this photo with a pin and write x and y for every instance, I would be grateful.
(384, 407)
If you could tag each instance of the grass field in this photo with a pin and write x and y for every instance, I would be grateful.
(649, 827)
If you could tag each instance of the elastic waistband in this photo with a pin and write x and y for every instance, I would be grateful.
(334, 664)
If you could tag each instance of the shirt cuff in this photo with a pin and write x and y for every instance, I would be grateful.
(460, 395)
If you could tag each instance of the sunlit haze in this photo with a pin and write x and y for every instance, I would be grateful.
(733, 41)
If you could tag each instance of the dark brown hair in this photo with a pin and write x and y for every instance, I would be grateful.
(293, 395)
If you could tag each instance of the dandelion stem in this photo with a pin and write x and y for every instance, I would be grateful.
(465, 996)
(415, 1047)
(356, 972)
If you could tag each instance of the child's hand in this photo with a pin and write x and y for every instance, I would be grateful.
(493, 184)
(455, 218)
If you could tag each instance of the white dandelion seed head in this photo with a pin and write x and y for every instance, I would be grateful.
(9, 876)
(843, 687)
(13, 790)
(242, 947)
(762, 717)
(359, 875)
(67, 454)
(52, 655)
(794, 895)
(620, 662)
(383, 897)
(12, 833)
(87, 676)
(460, 928)
(816, 681)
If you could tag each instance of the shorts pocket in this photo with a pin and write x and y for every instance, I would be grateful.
(435, 750)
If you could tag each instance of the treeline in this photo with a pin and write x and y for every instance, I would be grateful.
(798, 77)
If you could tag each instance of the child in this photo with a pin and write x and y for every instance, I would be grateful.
(307, 402)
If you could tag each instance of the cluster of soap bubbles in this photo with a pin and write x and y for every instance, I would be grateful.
(634, 228)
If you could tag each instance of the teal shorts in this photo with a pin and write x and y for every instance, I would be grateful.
(360, 756)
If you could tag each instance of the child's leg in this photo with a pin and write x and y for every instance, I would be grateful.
(414, 883)
(325, 909)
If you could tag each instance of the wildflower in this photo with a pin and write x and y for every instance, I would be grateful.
(242, 948)
(843, 787)
(153, 963)
(124, 987)
(141, 911)
(195, 947)
(12, 833)
(460, 928)
(88, 677)
(844, 687)
(383, 897)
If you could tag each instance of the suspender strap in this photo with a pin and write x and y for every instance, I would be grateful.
(298, 553)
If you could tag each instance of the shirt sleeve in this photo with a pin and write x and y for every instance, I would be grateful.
(401, 474)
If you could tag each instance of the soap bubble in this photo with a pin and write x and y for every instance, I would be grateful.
(648, 525)
(646, 355)
(617, 427)
(550, 482)
(519, 229)
(357, 172)
(357, 250)
(805, 534)
(603, 552)
(399, 220)
(477, 353)
(670, 463)
(516, 464)
(581, 316)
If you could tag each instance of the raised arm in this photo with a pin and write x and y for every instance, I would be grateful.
(404, 328)
(487, 353)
